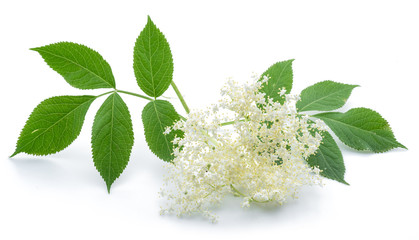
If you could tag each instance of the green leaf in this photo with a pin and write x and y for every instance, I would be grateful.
(157, 115)
(53, 125)
(328, 158)
(80, 66)
(280, 76)
(324, 96)
(112, 138)
(153, 62)
(361, 129)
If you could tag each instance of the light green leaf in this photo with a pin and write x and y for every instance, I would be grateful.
(112, 138)
(80, 66)
(157, 115)
(153, 62)
(53, 125)
(328, 158)
(280, 76)
(361, 129)
(324, 96)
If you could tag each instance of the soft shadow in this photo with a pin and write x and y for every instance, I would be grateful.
(67, 169)
(232, 216)
(39, 168)
(142, 163)
(306, 203)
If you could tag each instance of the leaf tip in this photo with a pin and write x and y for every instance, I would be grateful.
(403, 146)
(354, 86)
(34, 49)
(14, 154)
(344, 182)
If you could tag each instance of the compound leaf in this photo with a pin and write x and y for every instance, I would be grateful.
(112, 138)
(157, 116)
(153, 62)
(280, 76)
(324, 96)
(53, 125)
(361, 129)
(80, 66)
(328, 158)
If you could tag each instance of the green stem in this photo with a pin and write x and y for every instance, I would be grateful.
(135, 94)
(232, 122)
(241, 194)
(254, 200)
(179, 95)
(212, 140)
(104, 94)
(236, 191)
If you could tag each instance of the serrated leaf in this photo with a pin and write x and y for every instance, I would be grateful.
(112, 138)
(361, 129)
(153, 62)
(157, 115)
(53, 125)
(280, 76)
(328, 158)
(80, 66)
(324, 96)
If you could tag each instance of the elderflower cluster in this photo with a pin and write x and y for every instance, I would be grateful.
(246, 145)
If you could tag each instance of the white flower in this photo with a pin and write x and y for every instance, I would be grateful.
(319, 124)
(282, 92)
(246, 202)
(167, 130)
(260, 157)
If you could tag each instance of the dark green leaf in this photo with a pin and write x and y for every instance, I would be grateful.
(157, 115)
(80, 66)
(153, 62)
(53, 125)
(361, 129)
(328, 158)
(324, 96)
(112, 138)
(280, 76)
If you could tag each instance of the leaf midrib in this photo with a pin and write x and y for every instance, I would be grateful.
(280, 76)
(350, 126)
(161, 124)
(75, 63)
(47, 129)
(328, 165)
(151, 67)
(111, 138)
(302, 109)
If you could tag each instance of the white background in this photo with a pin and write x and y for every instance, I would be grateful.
(371, 43)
